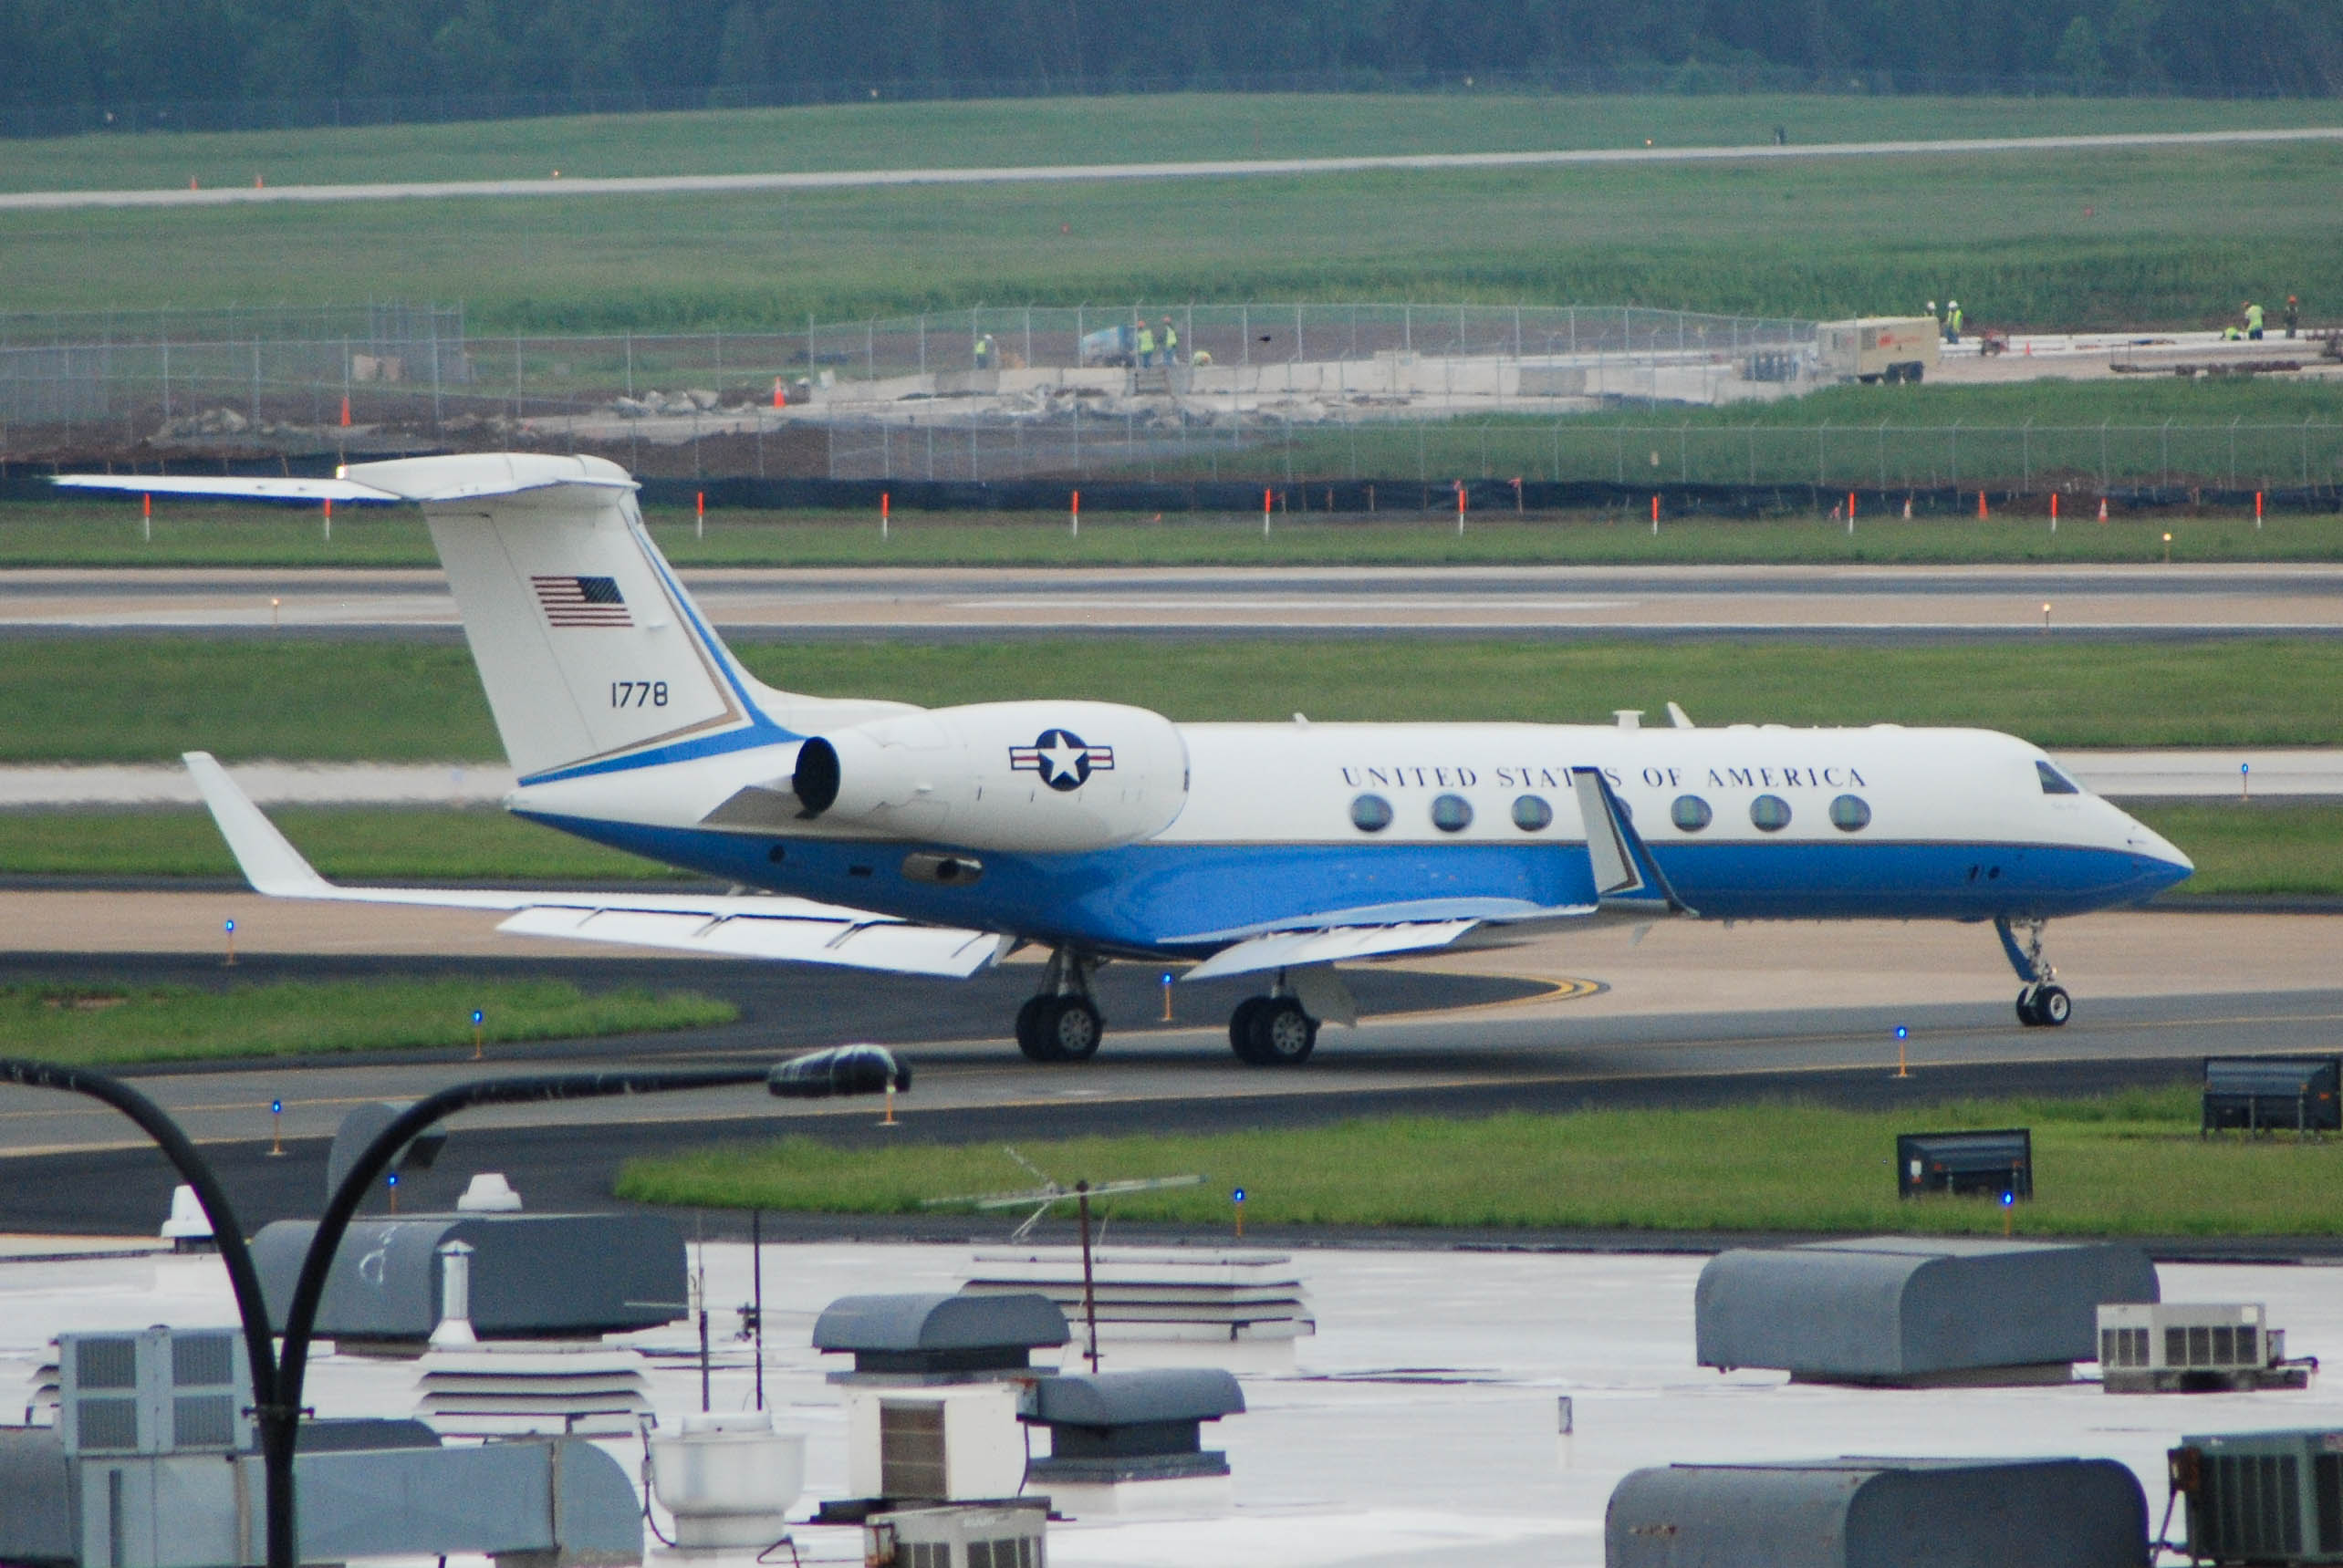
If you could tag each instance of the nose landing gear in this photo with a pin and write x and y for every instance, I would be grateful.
(1062, 1023)
(1272, 1032)
(2042, 1002)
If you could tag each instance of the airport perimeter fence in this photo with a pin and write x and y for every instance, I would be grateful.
(271, 388)
(93, 381)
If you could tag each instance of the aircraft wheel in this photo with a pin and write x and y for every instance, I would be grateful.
(1075, 1029)
(2053, 1006)
(1283, 1035)
(2026, 1012)
(1240, 1028)
(1036, 1033)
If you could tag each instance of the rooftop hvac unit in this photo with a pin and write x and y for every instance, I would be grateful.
(2259, 1093)
(1993, 1163)
(954, 1443)
(1006, 1533)
(159, 1391)
(2194, 1348)
(2263, 1497)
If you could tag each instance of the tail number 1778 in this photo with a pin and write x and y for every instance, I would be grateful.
(638, 693)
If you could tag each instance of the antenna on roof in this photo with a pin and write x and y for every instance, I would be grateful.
(1051, 1193)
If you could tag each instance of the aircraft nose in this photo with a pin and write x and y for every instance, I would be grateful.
(2171, 864)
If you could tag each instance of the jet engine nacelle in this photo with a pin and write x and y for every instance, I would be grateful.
(1045, 776)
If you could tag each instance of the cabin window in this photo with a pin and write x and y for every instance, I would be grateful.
(1769, 813)
(1851, 813)
(1691, 813)
(1450, 813)
(1371, 813)
(1531, 814)
(2053, 781)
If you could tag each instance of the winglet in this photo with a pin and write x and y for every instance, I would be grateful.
(267, 857)
(1623, 865)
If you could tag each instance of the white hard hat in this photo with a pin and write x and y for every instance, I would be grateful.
(1953, 303)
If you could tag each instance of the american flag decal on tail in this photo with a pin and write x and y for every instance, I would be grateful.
(582, 601)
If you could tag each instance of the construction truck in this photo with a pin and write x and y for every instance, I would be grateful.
(1878, 348)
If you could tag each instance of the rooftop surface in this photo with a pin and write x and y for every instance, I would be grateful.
(1417, 1427)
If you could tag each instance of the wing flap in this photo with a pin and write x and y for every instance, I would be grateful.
(1334, 944)
(871, 942)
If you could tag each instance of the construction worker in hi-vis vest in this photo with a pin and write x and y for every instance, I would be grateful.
(1146, 344)
(1171, 342)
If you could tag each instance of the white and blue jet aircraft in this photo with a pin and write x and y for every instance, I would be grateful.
(935, 842)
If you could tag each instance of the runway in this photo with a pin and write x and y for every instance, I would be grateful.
(1074, 173)
(1870, 603)
(1692, 1013)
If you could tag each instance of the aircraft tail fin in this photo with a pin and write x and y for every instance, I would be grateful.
(587, 643)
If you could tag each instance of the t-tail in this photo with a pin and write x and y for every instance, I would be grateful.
(588, 646)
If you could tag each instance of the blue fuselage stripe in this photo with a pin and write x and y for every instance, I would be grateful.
(1137, 897)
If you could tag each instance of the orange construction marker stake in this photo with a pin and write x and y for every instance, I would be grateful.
(882, 514)
(329, 519)
(1265, 512)
(345, 410)
(1460, 506)
(1077, 525)
(2053, 511)
(146, 518)
(2257, 511)
(699, 514)
(1850, 511)
(890, 1119)
(1982, 513)
(1655, 514)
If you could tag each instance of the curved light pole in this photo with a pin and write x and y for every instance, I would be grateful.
(277, 1378)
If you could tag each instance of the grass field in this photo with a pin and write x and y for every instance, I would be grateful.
(2257, 848)
(2234, 433)
(1089, 130)
(365, 844)
(86, 533)
(141, 699)
(2053, 238)
(142, 1023)
(2130, 1164)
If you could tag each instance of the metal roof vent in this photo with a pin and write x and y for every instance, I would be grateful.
(1879, 1513)
(1112, 1430)
(1908, 1311)
(938, 1338)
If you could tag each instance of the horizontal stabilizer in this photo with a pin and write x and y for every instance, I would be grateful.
(754, 926)
(471, 476)
(226, 489)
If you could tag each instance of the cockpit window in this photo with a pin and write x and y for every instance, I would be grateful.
(2053, 781)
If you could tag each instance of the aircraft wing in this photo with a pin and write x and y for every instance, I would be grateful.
(752, 926)
(1628, 885)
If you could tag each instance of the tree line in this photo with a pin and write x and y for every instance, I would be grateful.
(78, 53)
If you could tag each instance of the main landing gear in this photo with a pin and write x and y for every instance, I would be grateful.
(2042, 1002)
(1062, 1023)
(1272, 1032)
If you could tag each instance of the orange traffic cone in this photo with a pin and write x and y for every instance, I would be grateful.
(2102, 508)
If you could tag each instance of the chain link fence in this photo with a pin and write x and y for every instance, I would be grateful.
(1265, 393)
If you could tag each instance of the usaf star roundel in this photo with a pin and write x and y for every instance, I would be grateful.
(1061, 759)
